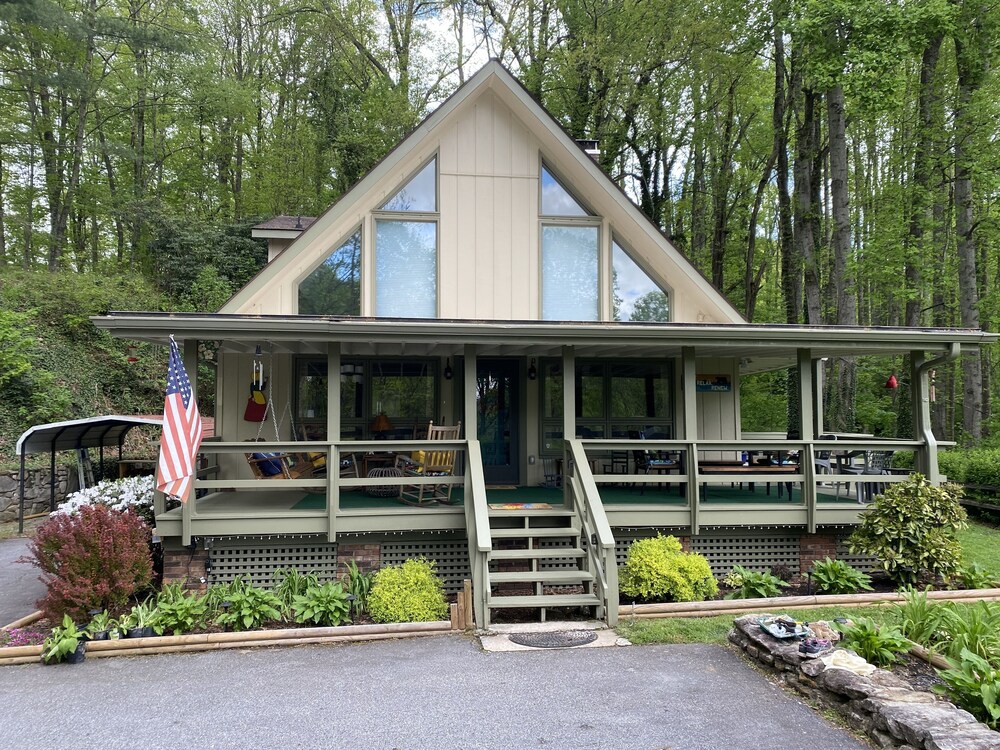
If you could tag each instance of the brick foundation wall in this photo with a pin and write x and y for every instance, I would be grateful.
(368, 557)
(186, 567)
(813, 547)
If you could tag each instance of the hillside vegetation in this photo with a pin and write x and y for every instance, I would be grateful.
(55, 365)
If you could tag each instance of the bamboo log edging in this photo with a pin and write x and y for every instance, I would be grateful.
(745, 606)
(167, 644)
(935, 660)
(26, 620)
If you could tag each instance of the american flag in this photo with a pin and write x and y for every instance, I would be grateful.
(181, 431)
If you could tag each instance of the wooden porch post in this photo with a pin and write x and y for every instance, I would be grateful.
(569, 411)
(817, 379)
(332, 436)
(470, 384)
(920, 406)
(187, 508)
(807, 433)
(689, 393)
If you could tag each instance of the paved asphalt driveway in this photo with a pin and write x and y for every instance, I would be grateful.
(20, 586)
(431, 693)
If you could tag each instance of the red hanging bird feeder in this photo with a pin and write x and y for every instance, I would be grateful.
(892, 383)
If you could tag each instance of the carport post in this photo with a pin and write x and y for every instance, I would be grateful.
(20, 494)
(52, 479)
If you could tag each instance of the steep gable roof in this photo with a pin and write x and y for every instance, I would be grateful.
(576, 166)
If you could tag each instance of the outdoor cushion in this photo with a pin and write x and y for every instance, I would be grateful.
(268, 468)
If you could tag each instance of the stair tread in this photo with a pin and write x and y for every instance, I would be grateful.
(550, 576)
(548, 531)
(533, 554)
(545, 600)
(531, 513)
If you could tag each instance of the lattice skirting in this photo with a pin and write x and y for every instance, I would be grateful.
(759, 552)
(257, 562)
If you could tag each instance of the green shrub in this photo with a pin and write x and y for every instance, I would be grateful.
(973, 684)
(410, 592)
(911, 529)
(94, 559)
(325, 605)
(751, 584)
(876, 644)
(837, 577)
(658, 569)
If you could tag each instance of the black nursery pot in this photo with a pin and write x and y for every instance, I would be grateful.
(100, 635)
(134, 633)
(79, 655)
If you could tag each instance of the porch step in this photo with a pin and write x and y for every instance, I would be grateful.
(563, 577)
(544, 601)
(518, 532)
(561, 553)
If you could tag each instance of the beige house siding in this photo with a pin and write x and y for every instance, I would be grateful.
(719, 413)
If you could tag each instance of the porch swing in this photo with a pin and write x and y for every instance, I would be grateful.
(285, 465)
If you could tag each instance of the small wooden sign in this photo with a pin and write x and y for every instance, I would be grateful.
(713, 383)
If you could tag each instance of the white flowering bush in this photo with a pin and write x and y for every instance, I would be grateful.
(130, 494)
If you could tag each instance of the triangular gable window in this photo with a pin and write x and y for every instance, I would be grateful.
(419, 194)
(556, 200)
(335, 287)
(635, 296)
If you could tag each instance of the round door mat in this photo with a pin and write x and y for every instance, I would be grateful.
(557, 639)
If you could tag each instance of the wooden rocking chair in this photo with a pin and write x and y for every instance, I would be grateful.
(430, 463)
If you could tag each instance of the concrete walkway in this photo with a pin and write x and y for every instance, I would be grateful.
(20, 586)
(431, 693)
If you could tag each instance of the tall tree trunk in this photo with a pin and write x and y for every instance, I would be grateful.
(968, 283)
(842, 412)
(3, 216)
(806, 196)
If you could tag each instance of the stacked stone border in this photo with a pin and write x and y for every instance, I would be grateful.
(882, 706)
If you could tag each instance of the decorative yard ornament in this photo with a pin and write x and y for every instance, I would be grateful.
(892, 383)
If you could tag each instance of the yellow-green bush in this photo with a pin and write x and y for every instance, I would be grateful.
(658, 570)
(410, 592)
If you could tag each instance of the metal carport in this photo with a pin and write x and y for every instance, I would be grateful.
(76, 434)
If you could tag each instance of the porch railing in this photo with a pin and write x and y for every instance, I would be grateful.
(477, 524)
(595, 531)
(695, 473)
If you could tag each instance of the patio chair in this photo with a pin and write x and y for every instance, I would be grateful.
(430, 463)
(876, 464)
(646, 463)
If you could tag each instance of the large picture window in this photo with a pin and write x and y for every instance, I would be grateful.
(570, 241)
(613, 400)
(634, 295)
(406, 249)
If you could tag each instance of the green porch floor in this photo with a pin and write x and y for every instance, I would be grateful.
(610, 495)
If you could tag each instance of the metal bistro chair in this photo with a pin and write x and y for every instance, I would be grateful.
(430, 463)
(647, 462)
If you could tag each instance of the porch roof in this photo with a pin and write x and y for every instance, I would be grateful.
(759, 347)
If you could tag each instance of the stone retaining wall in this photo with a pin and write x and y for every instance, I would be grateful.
(36, 491)
(882, 705)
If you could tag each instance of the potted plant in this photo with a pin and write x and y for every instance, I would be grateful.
(138, 623)
(64, 644)
(101, 625)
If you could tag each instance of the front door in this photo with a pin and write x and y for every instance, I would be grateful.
(497, 407)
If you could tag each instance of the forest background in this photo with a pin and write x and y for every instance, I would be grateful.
(823, 162)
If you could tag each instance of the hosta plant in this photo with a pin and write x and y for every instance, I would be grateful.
(752, 584)
(178, 611)
(292, 583)
(324, 605)
(62, 642)
(837, 577)
(975, 576)
(249, 608)
(876, 644)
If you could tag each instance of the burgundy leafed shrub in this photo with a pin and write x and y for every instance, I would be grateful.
(94, 559)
